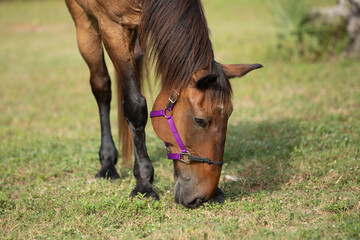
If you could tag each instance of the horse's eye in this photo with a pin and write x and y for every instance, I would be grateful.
(201, 122)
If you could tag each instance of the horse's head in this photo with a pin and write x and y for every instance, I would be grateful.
(200, 114)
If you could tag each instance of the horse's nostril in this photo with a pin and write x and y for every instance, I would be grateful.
(194, 203)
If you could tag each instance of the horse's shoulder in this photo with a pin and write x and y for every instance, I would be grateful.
(122, 12)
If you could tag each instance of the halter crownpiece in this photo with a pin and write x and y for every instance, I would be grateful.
(184, 155)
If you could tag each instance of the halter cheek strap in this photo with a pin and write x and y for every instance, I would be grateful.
(184, 155)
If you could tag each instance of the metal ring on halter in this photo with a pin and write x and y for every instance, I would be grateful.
(169, 110)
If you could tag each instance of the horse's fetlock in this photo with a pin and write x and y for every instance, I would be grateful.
(146, 191)
(108, 155)
(107, 171)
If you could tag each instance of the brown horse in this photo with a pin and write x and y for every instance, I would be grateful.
(175, 34)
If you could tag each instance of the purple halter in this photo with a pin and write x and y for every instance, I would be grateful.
(184, 155)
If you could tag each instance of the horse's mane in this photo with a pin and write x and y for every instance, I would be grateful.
(177, 38)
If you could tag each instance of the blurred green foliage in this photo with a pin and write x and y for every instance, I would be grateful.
(304, 37)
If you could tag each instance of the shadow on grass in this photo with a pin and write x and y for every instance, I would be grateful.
(258, 156)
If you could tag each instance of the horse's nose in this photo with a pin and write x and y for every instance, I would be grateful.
(185, 196)
(193, 203)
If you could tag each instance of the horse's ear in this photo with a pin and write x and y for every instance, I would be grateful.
(205, 78)
(238, 70)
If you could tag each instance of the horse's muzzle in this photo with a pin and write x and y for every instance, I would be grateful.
(185, 196)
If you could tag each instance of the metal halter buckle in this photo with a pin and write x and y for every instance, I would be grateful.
(174, 96)
(185, 154)
(172, 99)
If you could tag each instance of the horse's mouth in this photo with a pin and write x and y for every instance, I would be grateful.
(186, 198)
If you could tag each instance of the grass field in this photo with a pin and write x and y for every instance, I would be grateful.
(293, 141)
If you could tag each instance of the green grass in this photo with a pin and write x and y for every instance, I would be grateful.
(293, 140)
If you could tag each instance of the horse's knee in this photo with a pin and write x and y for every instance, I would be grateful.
(101, 88)
(135, 110)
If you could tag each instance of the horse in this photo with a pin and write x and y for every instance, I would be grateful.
(191, 112)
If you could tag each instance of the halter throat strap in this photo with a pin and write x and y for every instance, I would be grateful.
(184, 155)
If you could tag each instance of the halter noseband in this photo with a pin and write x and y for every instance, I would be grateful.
(184, 155)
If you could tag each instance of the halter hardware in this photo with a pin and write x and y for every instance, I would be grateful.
(172, 99)
(184, 156)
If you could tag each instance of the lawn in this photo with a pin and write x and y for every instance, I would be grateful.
(292, 157)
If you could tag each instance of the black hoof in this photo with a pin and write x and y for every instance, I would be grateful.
(218, 197)
(108, 172)
(149, 193)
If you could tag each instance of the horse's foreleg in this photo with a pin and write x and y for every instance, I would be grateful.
(101, 88)
(119, 44)
(90, 46)
(136, 113)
